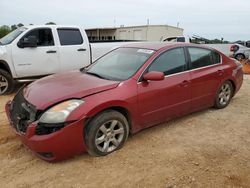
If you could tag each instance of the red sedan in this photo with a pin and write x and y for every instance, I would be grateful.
(129, 89)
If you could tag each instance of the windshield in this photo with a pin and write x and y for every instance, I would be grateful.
(7, 39)
(120, 64)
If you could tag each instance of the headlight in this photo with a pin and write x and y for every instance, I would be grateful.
(60, 112)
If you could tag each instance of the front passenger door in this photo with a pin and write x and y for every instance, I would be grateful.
(159, 101)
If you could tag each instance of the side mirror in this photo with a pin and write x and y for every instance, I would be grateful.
(30, 41)
(154, 76)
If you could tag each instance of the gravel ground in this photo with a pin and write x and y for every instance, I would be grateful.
(210, 148)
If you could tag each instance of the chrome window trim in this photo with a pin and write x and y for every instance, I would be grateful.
(220, 63)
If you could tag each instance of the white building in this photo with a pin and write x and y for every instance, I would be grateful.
(144, 33)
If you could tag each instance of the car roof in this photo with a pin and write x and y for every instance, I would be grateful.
(50, 26)
(162, 45)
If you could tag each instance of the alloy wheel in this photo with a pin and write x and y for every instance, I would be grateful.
(3, 84)
(225, 94)
(109, 136)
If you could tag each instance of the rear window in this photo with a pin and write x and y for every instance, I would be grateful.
(69, 36)
(201, 57)
(181, 39)
(216, 57)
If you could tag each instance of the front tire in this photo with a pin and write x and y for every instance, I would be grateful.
(7, 84)
(224, 95)
(106, 133)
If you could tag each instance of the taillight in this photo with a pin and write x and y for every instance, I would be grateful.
(234, 48)
(238, 63)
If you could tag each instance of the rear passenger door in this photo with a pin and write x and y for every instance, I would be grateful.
(206, 75)
(73, 49)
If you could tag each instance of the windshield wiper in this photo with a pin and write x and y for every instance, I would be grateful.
(95, 74)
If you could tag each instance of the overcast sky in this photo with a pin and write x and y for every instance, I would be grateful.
(229, 19)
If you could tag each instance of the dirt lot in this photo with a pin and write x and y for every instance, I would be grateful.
(206, 149)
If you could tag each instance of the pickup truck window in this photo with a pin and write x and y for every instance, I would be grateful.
(69, 36)
(12, 36)
(44, 36)
(181, 39)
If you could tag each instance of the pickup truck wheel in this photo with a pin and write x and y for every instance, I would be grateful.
(7, 84)
(106, 133)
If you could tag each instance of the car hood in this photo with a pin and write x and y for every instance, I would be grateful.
(59, 87)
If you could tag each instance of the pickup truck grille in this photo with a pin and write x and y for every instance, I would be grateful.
(22, 113)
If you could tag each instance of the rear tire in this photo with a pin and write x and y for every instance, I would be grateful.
(7, 84)
(106, 133)
(240, 57)
(224, 95)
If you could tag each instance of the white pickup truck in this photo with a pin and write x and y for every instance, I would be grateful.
(32, 52)
(177, 39)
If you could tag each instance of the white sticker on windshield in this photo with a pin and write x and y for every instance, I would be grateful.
(145, 51)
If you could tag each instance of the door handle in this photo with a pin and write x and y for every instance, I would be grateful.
(185, 83)
(51, 52)
(81, 50)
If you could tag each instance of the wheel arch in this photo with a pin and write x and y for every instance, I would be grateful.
(224, 80)
(121, 109)
(233, 84)
(4, 66)
(231, 81)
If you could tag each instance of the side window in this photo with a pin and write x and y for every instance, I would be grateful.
(181, 39)
(216, 57)
(200, 57)
(248, 44)
(170, 62)
(44, 37)
(69, 36)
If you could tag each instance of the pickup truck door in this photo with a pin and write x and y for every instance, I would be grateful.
(36, 61)
(74, 49)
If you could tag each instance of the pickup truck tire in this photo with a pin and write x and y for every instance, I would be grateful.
(7, 84)
(106, 133)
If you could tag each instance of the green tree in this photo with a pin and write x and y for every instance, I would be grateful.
(4, 30)
(13, 27)
(20, 25)
(50, 23)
